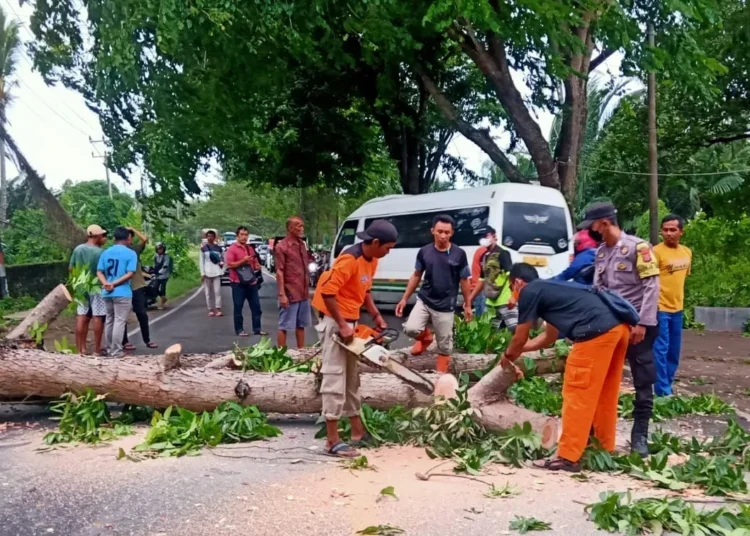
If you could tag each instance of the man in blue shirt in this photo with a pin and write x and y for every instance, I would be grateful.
(581, 269)
(115, 270)
(445, 270)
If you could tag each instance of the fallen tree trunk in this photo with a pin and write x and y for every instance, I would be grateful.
(170, 380)
(460, 362)
(45, 312)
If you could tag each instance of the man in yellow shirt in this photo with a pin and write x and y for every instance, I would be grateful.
(674, 266)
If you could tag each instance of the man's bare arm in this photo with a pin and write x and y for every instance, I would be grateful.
(543, 340)
(519, 340)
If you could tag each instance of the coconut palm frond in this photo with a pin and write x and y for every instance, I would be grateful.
(727, 184)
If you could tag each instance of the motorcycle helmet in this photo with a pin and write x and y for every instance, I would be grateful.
(161, 245)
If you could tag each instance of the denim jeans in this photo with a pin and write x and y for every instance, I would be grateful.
(241, 294)
(667, 351)
(479, 304)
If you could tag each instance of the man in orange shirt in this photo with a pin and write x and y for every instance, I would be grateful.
(341, 293)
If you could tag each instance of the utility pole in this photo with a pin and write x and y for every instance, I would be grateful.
(105, 158)
(653, 168)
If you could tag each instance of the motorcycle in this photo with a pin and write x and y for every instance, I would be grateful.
(152, 287)
(313, 268)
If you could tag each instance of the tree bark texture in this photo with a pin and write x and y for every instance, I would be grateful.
(45, 312)
(189, 383)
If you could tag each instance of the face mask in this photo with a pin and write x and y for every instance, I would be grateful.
(485, 242)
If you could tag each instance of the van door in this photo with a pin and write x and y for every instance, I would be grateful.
(538, 234)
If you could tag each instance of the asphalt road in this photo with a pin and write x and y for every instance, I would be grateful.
(187, 322)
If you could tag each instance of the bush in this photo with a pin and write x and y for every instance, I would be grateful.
(721, 255)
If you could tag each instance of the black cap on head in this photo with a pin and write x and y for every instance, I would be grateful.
(597, 211)
(381, 230)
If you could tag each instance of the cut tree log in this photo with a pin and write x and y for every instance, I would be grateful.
(170, 380)
(45, 312)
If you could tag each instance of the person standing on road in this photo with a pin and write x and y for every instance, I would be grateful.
(293, 280)
(581, 270)
(478, 303)
(674, 266)
(445, 269)
(86, 256)
(341, 293)
(627, 265)
(591, 383)
(163, 267)
(212, 268)
(243, 265)
(140, 299)
(115, 270)
(494, 283)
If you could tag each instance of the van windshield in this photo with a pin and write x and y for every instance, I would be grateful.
(534, 224)
(414, 229)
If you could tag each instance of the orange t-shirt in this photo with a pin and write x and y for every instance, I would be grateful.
(349, 280)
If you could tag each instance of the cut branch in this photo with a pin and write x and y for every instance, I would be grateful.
(45, 312)
(603, 56)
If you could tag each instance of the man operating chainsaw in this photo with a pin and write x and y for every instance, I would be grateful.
(339, 296)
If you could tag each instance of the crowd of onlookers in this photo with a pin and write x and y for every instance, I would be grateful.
(124, 288)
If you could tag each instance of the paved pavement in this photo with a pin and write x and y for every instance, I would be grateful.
(188, 323)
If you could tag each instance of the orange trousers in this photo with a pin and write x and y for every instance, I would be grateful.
(590, 390)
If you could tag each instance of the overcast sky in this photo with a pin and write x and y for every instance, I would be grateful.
(52, 125)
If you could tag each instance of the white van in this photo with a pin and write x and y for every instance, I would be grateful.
(532, 222)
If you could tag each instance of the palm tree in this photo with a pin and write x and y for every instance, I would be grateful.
(10, 45)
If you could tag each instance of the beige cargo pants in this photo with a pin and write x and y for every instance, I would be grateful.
(340, 369)
(442, 323)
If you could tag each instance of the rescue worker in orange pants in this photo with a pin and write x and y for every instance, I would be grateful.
(594, 367)
(445, 268)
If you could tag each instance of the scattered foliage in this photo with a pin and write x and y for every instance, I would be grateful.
(84, 417)
(528, 524)
(264, 357)
(179, 431)
(618, 512)
(388, 491)
(669, 407)
(63, 346)
(537, 394)
(382, 530)
(37, 331)
(131, 414)
(480, 336)
(501, 493)
(359, 463)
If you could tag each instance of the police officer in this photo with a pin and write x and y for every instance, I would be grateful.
(627, 265)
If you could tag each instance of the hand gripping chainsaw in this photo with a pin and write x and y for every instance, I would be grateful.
(371, 348)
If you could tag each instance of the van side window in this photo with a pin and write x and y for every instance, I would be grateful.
(414, 229)
(346, 236)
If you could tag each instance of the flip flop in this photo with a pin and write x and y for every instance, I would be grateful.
(261, 333)
(129, 347)
(559, 464)
(365, 441)
(243, 334)
(342, 450)
(219, 313)
(211, 313)
(152, 345)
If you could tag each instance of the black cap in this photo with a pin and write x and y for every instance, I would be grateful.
(381, 230)
(597, 211)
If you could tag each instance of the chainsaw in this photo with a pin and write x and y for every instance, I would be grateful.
(371, 348)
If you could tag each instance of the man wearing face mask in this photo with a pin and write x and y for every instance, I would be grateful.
(496, 264)
(627, 265)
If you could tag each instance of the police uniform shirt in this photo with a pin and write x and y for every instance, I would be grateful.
(631, 269)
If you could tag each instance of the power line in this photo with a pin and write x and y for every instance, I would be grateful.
(714, 173)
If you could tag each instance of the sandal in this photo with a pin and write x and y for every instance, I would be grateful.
(219, 313)
(152, 345)
(342, 450)
(128, 347)
(559, 464)
(365, 441)
(243, 334)
(211, 314)
(261, 333)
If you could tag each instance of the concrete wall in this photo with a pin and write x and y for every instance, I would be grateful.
(722, 318)
(35, 279)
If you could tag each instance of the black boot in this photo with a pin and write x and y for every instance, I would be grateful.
(639, 437)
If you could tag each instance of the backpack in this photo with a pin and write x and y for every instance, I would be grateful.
(620, 307)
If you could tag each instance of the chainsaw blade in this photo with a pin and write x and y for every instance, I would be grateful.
(380, 357)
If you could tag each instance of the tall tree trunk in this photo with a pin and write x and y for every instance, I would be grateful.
(653, 163)
(3, 185)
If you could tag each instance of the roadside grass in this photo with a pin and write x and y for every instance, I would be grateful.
(182, 283)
